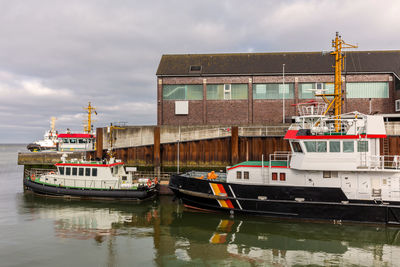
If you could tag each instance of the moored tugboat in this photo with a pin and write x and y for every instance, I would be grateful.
(91, 179)
(334, 172)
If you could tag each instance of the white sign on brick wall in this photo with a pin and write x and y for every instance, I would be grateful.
(181, 107)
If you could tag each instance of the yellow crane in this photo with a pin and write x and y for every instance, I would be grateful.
(338, 44)
(88, 128)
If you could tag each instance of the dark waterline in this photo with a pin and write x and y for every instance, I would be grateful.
(38, 231)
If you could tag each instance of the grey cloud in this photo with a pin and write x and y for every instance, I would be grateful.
(107, 52)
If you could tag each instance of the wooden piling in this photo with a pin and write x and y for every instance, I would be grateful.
(99, 143)
(235, 145)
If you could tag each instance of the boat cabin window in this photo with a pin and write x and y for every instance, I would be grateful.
(72, 141)
(246, 175)
(362, 146)
(74, 171)
(282, 176)
(80, 172)
(82, 141)
(330, 174)
(297, 147)
(238, 175)
(315, 146)
(65, 141)
(274, 176)
(68, 171)
(334, 146)
(348, 146)
(61, 170)
(124, 178)
(94, 172)
(116, 170)
(87, 171)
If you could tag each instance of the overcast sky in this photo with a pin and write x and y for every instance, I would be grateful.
(55, 56)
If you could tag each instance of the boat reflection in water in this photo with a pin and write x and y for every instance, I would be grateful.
(178, 236)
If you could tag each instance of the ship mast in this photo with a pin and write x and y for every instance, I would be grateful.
(338, 44)
(90, 110)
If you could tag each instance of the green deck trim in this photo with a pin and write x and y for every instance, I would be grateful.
(275, 163)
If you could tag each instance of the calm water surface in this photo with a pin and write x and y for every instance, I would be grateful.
(38, 231)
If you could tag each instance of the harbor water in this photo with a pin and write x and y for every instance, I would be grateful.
(40, 231)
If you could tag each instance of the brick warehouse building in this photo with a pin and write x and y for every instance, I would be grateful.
(246, 88)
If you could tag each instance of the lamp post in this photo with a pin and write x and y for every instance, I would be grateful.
(283, 94)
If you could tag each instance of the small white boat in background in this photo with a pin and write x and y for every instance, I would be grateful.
(49, 142)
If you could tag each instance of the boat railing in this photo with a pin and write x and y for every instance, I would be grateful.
(221, 176)
(280, 158)
(72, 182)
(385, 162)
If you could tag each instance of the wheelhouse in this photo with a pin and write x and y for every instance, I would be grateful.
(72, 142)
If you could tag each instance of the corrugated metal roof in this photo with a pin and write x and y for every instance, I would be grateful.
(271, 63)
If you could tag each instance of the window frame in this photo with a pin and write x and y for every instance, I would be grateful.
(282, 176)
(94, 172)
(274, 176)
(229, 91)
(344, 146)
(238, 175)
(340, 147)
(246, 175)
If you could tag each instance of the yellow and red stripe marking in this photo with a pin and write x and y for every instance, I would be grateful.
(219, 190)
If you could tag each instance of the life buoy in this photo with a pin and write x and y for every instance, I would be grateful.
(33, 177)
(155, 180)
(148, 182)
(51, 172)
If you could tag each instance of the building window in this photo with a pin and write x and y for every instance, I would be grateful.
(296, 147)
(61, 170)
(273, 91)
(87, 171)
(80, 172)
(334, 146)
(368, 90)
(307, 90)
(195, 68)
(68, 171)
(246, 175)
(238, 175)
(348, 146)
(94, 172)
(315, 146)
(282, 176)
(183, 92)
(227, 91)
(397, 105)
(362, 146)
(274, 176)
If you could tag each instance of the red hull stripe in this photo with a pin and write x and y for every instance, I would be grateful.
(88, 165)
(75, 136)
(252, 166)
(227, 201)
(221, 188)
(291, 134)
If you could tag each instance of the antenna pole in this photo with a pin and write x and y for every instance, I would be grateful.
(90, 110)
(283, 95)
